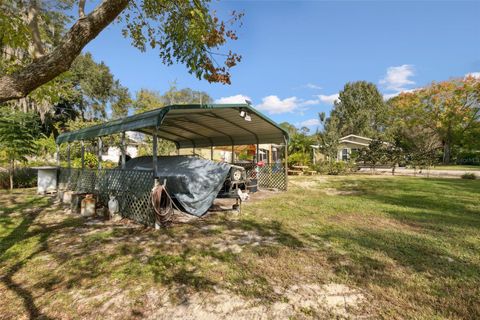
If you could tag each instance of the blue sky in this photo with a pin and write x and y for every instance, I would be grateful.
(297, 55)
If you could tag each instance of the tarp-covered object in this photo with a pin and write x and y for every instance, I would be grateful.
(193, 182)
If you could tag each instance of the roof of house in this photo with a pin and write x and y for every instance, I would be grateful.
(192, 125)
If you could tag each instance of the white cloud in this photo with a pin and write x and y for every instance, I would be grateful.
(397, 78)
(313, 86)
(387, 96)
(473, 74)
(239, 98)
(310, 123)
(330, 99)
(274, 105)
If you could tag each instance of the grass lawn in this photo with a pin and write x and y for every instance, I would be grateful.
(457, 167)
(345, 247)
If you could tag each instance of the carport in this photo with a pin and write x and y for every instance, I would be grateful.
(188, 126)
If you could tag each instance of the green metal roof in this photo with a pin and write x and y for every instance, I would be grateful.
(192, 125)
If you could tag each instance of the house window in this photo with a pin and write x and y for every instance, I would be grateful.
(344, 154)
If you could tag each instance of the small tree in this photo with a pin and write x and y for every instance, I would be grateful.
(17, 139)
(374, 154)
(328, 138)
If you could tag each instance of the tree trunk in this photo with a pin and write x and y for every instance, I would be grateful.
(446, 152)
(59, 60)
(11, 171)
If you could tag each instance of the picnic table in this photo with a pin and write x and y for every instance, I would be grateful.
(301, 170)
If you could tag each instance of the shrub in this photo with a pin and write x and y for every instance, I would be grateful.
(91, 161)
(23, 178)
(334, 168)
(469, 176)
(299, 158)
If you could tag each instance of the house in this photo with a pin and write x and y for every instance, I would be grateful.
(113, 153)
(346, 146)
(268, 153)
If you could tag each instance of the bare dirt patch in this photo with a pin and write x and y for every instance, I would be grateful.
(337, 192)
(299, 301)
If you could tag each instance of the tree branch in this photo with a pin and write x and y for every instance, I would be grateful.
(32, 23)
(81, 9)
(59, 60)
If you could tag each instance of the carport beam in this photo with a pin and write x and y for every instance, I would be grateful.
(58, 155)
(100, 147)
(68, 155)
(286, 164)
(123, 150)
(155, 156)
(82, 154)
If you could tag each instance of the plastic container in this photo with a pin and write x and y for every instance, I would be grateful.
(88, 205)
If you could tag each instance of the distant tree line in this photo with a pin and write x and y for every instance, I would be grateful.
(437, 123)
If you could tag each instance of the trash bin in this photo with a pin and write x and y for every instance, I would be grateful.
(47, 179)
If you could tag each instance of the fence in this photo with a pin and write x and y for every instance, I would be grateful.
(131, 188)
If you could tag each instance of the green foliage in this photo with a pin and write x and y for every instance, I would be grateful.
(328, 138)
(183, 31)
(90, 160)
(17, 135)
(24, 177)
(360, 110)
(299, 158)
(335, 168)
(469, 176)
(17, 138)
(290, 128)
(374, 154)
(448, 111)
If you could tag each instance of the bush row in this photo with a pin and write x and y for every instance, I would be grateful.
(24, 177)
(335, 168)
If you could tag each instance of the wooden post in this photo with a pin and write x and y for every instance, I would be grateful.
(211, 152)
(83, 154)
(155, 156)
(100, 147)
(122, 149)
(68, 156)
(58, 155)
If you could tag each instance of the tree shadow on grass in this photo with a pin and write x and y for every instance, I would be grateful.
(182, 259)
(18, 234)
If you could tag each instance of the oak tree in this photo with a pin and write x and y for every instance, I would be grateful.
(35, 40)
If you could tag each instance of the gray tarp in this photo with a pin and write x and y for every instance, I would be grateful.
(193, 182)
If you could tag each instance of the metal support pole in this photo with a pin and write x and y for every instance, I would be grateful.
(155, 155)
(286, 164)
(58, 155)
(233, 153)
(211, 152)
(68, 156)
(258, 153)
(178, 151)
(193, 150)
(82, 152)
(122, 149)
(100, 147)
